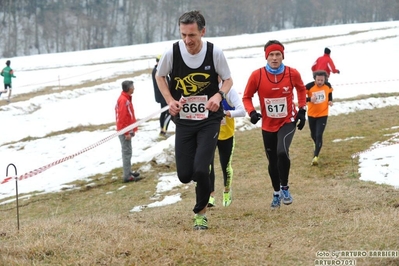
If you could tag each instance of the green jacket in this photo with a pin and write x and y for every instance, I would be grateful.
(7, 73)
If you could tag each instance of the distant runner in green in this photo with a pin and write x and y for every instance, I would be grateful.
(8, 74)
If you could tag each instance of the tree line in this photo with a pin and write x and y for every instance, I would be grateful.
(51, 26)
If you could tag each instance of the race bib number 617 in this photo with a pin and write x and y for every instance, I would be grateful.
(276, 107)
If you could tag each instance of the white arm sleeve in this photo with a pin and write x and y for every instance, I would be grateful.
(233, 98)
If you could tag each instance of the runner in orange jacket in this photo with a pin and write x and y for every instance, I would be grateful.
(319, 98)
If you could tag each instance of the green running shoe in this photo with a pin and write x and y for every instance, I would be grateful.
(315, 161)
(200, 222)
(227, 199)
(211, 202)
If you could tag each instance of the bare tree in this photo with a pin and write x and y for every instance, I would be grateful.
(48, 26)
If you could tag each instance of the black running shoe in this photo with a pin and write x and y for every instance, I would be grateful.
(135, 174)
(132, 179)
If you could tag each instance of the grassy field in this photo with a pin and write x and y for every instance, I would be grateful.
(332, 211)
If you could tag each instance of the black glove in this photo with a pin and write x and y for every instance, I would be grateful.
(301, 117)
(338, 71)
(255, 117)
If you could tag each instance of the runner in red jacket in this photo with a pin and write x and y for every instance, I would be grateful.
(275, 85)
(325, 63)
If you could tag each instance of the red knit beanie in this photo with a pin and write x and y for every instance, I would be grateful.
(274, 47)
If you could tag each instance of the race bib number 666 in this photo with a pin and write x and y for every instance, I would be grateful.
(194, 107)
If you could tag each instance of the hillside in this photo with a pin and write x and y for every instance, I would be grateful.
(77, 212)
(332, 211)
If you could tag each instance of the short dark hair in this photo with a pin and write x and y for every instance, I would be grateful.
(327, 50)
(320, 73)
(126, 85)
(191, 17)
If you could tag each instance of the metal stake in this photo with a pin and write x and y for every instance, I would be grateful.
(16, 189)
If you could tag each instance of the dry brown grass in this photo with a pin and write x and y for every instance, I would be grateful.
(332, 210)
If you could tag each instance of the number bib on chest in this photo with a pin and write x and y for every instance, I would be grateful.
(194, 108)
(320, 96)
(276, 107)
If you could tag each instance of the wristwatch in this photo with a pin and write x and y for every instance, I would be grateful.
(223, 94)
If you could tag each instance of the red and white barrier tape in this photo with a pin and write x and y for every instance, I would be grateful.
(120, 132)
(376, 147)
(365, 82)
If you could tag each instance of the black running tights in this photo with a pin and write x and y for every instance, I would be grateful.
(277, 146)
(317, 126)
